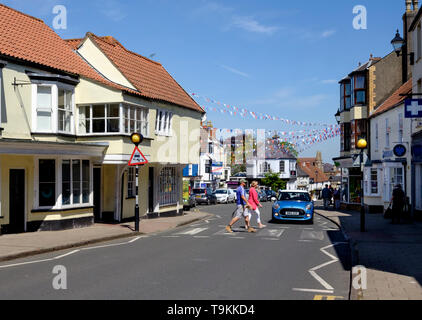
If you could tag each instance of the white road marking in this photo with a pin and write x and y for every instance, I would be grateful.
(276, 233)
(311, 235)
(192, 232)
(270, 239)
(202, 237)
(313, 290)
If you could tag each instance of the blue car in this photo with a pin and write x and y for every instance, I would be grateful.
(293, 206)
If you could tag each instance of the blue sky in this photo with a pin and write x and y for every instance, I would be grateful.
(283, 58)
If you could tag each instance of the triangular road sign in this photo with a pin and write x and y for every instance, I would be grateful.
(137, 158)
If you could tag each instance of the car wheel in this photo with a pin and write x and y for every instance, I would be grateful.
(208, 202)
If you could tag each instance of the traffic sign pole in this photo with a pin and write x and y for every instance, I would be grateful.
(137, 201)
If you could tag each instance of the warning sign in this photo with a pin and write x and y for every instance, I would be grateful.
(137, 158)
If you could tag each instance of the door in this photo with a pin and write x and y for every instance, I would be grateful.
(17, 201)
(151, 191)
(97, 194)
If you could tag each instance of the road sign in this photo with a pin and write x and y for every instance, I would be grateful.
(399, 150)
(413, 108)
(137, 158)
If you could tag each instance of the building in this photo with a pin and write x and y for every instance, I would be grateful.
(312, 171)
(67, 112)
(389, 128)
(276, 161)
(416, 123)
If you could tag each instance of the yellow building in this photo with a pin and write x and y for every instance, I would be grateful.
(67, 112)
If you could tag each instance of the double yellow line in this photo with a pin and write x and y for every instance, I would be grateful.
(330, 298)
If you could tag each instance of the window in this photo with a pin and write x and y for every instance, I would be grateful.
(52, 108)
(208, 166)
(113, 118)
(347, 137)
(75, 182)
(282, 167)
(396, 177)
(163, 123)
(400, 127)
(345, 96)
(131, 183)
(358, 90)
(65, 110)
(373, 181)
(169, 191)
(265, 168)
(47, 183)
(377, 143)
(358, 131)
(210, 148)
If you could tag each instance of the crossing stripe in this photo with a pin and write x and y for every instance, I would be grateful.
(271, 233)
(192, 232)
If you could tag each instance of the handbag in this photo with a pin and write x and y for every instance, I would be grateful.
(388, 213)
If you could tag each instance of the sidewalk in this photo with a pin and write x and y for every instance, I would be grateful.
(392, 255)
(16, 246)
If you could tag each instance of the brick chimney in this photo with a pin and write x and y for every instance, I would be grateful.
(408, 17)
(415, 5)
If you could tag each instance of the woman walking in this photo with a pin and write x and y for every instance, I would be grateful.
(254, 204)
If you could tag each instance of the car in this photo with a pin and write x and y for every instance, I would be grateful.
(189, 203)
(271, 195)
(293, 205)
(204, 195)
(262, 196)
(225, 196)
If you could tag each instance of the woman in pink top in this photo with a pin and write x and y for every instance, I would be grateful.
(254, 203)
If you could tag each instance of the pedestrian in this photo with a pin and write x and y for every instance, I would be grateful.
(254, 203)
(242, 209)
(326, 197)
(337, 198)
(398, 201)
(332, 195)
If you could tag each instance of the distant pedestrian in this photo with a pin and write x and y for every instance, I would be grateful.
(241, 211)
(332, 195)
(326, 197)
(254, 203)
(398, 201)
(337, 198)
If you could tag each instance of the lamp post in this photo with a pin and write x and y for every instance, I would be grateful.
(400, 48)
(137, 139)
(362, 144)
(338, 116)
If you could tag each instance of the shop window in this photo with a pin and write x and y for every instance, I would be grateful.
(75, 182)
(131, 183)
(168, 186)
(47, 183)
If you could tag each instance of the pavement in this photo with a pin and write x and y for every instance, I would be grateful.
(16, 246)
(391, 255)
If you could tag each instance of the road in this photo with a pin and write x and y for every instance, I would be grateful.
(195, 262)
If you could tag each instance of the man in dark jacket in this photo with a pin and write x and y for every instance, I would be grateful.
(326, 196)
(398, 200)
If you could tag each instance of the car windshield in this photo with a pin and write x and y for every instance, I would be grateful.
(221, 192)
(294, 196)
(198, 191)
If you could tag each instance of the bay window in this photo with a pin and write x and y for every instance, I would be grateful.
(345, 96)
(358, 90)
(113, 119)
(52, 108)
(63, 183)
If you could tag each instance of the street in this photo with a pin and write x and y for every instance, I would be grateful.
(196, 262)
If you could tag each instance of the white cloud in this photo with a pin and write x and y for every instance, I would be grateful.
(251, 25)
(235, 71)
(329, 81)
(328, 33)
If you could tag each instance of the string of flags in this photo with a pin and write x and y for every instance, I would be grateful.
(246, 113)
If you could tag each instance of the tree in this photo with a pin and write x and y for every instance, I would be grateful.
(273, 181)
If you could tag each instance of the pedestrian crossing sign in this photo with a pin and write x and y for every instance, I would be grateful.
(137, 158)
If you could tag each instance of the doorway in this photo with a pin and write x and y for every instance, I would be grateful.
(97, 195)
(17, 201)
(151, 191)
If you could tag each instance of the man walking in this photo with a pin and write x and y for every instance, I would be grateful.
(398, 203)
(326, 196)
(242, 211)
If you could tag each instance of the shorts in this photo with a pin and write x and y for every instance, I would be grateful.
(241, 212)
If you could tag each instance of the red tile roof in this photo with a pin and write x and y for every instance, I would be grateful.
(394, 100)
(29, 39)
(148, 76)
(306, 165)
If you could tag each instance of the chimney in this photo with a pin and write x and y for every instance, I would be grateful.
(408, 5)
(415, 5)
(408, 17)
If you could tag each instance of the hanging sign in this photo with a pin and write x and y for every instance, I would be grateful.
(137, 158)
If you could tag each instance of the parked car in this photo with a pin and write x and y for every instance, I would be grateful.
(271, 195)
(204, 195)
(262, 196)
(225, 196)
(189, 203)
(293, 206)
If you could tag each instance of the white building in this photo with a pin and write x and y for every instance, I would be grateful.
(389, 130)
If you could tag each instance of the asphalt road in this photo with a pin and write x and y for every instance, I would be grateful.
(195, 262)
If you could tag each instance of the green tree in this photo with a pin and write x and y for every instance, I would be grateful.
(273, 181)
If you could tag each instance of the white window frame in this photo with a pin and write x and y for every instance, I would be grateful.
(173, 196)
(72, 110)
(368, 182)
(163, 123)
(54, 107)
(59, 184)
(131, 182)
(81, 203)
(284, 166)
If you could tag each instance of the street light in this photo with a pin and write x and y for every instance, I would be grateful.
(400, 48)
(338, 116)
(137, 139)
(362, 145)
